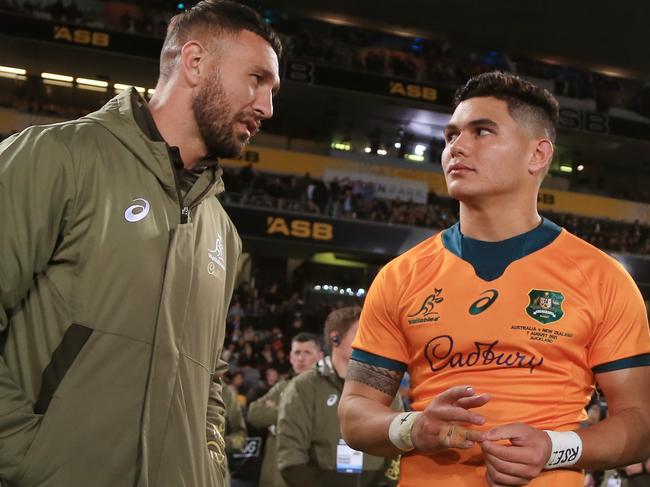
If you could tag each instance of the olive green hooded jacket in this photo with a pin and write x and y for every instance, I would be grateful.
(309, 432)
(261, 415)
(113, 297)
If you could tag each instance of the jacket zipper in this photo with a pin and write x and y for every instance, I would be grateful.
(186, 210)
(185, 215)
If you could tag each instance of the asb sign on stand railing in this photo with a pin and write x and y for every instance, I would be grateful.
(326, 233)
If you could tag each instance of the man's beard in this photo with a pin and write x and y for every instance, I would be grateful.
(211, 111)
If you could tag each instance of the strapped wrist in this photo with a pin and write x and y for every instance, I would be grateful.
(399, 431)
(566, 449)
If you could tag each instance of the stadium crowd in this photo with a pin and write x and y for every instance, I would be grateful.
(349, 47)
(357, 200)
(262, 320)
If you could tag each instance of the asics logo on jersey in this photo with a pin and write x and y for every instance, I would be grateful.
(426, 312)
(481, 304)
(137, 212)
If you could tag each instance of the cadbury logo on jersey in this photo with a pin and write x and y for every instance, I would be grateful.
(440, 354)
(426, 313)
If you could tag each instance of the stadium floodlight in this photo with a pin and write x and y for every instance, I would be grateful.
(419, 149)
(361, 292)
(57, 77)
(317, 288)
(344, 146)
(382, 152)
(10, 70)
(580, 167)
(92, 82)
(398, 145)
(367, 150)
(122, 87)
(415, 157)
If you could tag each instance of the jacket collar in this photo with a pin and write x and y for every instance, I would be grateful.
(326, 369)
(119, 117)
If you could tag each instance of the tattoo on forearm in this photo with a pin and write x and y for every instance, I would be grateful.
(380, 378)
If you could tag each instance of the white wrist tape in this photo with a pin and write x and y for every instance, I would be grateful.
(566, 449)
(399, 431)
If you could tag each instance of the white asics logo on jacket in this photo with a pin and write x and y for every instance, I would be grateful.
(137, 212)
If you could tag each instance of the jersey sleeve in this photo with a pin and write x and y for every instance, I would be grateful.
(380, 340)
(622, 338)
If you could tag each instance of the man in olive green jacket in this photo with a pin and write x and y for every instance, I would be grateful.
(117, 263)
(305, 351)
(310, 447)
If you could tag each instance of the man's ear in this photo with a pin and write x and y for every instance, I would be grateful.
(541, 157)
(192, 54)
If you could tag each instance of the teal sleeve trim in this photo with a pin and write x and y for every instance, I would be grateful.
(624, 363)
(377, 360)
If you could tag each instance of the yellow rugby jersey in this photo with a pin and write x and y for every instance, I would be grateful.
(530, 320)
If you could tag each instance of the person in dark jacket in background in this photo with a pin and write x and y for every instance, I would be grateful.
(311, 450)
(306, 350)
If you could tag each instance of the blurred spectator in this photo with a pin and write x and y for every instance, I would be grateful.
(236, 383)
(306, 350)
(271, 378)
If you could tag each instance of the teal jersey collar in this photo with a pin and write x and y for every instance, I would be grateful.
(490, 259)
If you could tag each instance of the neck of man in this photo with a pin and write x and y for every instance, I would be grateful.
(339, 363)
(500, 218)
(175, 122)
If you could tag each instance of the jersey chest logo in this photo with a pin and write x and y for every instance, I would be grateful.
(426, 313)
(481, 304)
(545, 306)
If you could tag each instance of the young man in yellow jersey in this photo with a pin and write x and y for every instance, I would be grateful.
(503, 321)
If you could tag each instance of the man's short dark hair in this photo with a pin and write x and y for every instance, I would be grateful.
(215, 16)
(340, 321)
(304, 337)
(524, 99)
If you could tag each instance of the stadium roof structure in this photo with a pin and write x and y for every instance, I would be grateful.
(604, 36)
